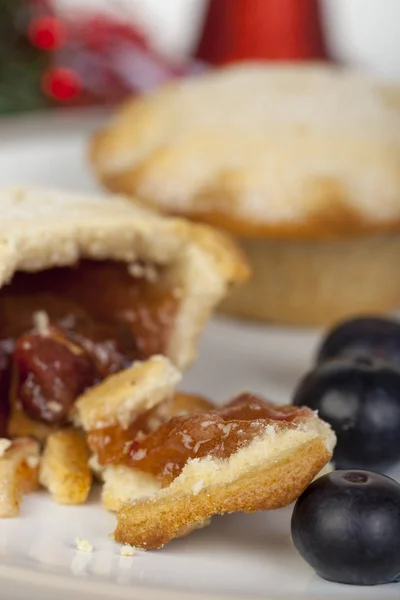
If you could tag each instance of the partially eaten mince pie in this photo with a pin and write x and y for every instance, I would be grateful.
(88, 286)
(101, 306)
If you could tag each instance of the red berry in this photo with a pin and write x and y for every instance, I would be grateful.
(47, 33)
(61, 84)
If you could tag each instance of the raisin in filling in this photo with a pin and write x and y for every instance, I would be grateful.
(6, 347)
(52, 373)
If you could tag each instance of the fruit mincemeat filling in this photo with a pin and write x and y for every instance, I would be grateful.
(99, 318)
(219, 433)
(112, 445)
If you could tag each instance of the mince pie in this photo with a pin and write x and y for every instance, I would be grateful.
(88, 286)
(300, 162)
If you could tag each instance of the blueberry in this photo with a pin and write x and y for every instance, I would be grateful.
(365, 336)
(361, 401)
(346, 525)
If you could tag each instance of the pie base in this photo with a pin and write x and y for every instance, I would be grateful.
(153, 522)
(318, 283)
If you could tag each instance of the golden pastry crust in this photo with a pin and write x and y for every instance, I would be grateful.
(120, 397)
(152, 524)
(266, 475)
(307, 283)
(10, 494)
(64, 468)
(295, 152)
(40, 229)
(19, 471)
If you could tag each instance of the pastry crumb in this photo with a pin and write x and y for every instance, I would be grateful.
(41, 322)
(83, 545)
(32, 461)
(127, 550)
(4, 445)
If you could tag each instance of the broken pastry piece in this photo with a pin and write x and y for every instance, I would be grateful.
(64, 468)
(121, 397)
(88, 285)
(116, 412)
(170, 461)
(247, 456)
(121, 483)
(19, 470)
(126, 407)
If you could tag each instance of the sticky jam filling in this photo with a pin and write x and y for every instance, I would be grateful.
(112, 445)
(63, 330)
(219, 433)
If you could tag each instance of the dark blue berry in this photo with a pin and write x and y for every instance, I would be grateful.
(346, 525)
(365, 336)
(361, 401)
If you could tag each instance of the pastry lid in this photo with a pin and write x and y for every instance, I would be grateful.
(40, 229)
(310, 151)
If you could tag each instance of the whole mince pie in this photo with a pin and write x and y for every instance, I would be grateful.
(262, 150)
(169, 461)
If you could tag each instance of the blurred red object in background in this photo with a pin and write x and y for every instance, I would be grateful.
(113, 58)
(90, 55)
(61, 84)
(238, 30)
(47, 32)
(98, 58)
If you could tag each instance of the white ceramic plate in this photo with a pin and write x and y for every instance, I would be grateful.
(238, 556)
